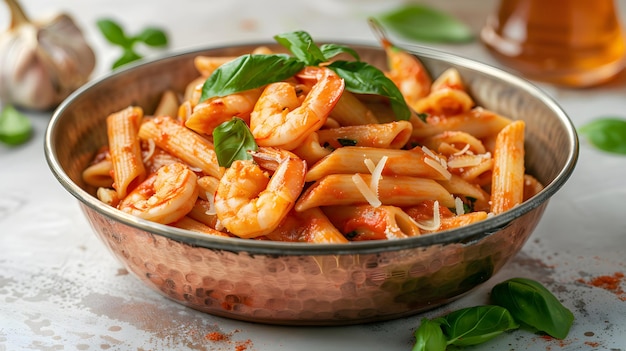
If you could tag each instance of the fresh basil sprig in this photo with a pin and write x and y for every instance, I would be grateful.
(332, 50)
(248, 72)
(301, 45)
(607, 134)
(253, 71)
(516, 301)
(15, 127)
(233, 141)
(429, 336)
(363, 78)
(425, 24)
(114, 33)
(475, 325)
(531, 303)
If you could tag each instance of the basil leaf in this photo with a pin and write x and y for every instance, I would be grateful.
(346, 142)
(429, 337)
(332, 50)
(15, 127)
(363, 78)
(249, 72)
(475, 325)
(607, 134)
(302, 46)
(114, 33)
(422, 23)
(127, 57)
(152, 37)
(531, 303)
(232, 141)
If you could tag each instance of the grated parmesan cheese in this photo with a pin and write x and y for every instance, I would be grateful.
(370, 165)
(465, 161)
(151, 149)
(436, 221)
(377, 174)
(211, 198)
(437, 163)
(368, 194)
(437, 166)
(463, 150)
(458, 206)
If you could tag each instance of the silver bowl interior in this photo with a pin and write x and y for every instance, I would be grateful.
(77, 129)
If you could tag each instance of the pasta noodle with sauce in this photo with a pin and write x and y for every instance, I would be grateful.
(325, 164)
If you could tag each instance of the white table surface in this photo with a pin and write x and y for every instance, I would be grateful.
(60, 289)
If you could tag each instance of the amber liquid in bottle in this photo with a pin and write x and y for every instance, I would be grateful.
(567, 42)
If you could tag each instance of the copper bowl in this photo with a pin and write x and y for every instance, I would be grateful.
(307, 284)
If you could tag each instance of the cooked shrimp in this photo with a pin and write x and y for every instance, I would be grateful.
(281, 119)
(250, 203)
(407, 72)
(165, 196)
(211, 113)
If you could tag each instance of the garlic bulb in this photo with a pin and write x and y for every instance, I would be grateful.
(42, 62)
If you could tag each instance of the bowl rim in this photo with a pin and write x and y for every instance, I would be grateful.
(462, 235)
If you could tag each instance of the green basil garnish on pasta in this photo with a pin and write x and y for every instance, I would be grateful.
(249, 72)
(302, 47)
(233, 141)
(254, 71)
(346, 142)
(363, 78)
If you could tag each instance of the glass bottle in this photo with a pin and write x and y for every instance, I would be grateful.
(574, 43)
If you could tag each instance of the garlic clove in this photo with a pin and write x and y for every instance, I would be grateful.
(68, 51)
(42, 62)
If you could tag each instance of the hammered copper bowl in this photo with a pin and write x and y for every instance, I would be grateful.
(307, 284)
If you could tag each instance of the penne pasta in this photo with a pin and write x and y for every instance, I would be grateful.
(364, 222)
(531, 186)
(310, 226)
(310, 161)
(350, 111)
(182, 143)
(206, 65)
(168, 105)
(209, 114)
(479, 122)
(340, 189)
(310, 150)
(99, 174)
(462, 220)
(125, 149)
(460, 187)
(108, 196)
(196, 226)
(449, 79)
(352, 159)
(455, 142)
(445, 102)
(204, 211)
(392, 135)
(507, 187)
